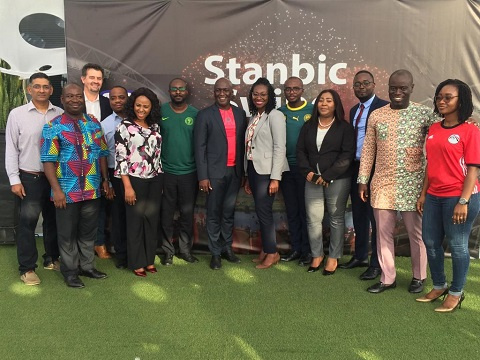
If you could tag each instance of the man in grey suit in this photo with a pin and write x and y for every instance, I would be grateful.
(219, 149)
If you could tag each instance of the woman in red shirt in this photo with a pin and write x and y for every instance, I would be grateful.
(450, 201)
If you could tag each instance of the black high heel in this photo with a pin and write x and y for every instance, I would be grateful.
(443, 309)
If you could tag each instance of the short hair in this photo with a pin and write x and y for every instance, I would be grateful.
(465, 103)
(177, 78)
(155, 114)
(271, 103)
(295, 78)
(365, 72)
(402, 72)
(71, 84)
(339, 112)
(92, 66)
(38, 75)
(120, 87)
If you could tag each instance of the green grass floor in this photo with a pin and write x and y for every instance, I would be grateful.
(188, 311)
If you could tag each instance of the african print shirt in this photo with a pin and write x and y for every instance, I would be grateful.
(394, 142)
(138, 150)
(75, 146)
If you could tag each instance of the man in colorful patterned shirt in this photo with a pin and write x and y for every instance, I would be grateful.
(394, 143)
(74, 154)
(180, 172)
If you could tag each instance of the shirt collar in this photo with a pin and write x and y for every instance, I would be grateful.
(367, 103)
(86, 99)
(31, 106)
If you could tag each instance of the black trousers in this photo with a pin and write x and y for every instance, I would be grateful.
(142, 221)
(37, 199)
(179, 191)
(119, 220)
(77, 231)
(362, 213)
(221, 211)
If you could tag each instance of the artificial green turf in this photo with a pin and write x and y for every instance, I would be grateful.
(188, 311)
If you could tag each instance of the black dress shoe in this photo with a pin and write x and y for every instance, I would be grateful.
(381, 287)
(293, 255)
(353, 263)
(230, 256)
(188, 257)
(216, 262)
(416, 286)
(328, 272)
(312, 269)
(167, 259)
(371, 273)
(305, 260)
(93, 274)
(121, 265)
(74, 282)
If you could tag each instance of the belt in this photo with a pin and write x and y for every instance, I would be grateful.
(37, 173)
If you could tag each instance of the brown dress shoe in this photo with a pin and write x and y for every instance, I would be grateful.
(102, 252)
(270, 260)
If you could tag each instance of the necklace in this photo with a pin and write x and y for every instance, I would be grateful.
(325, 126)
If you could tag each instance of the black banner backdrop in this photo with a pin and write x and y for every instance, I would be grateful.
(147, 43)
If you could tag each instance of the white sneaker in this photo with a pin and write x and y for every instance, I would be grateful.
(30, 278)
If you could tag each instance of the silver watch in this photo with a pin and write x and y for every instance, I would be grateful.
(463, 201)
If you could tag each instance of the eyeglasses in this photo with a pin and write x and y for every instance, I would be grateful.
(38, 87)
(265, 95)
(182, 88)
(364, 83)
(293, 89)
(445, 98)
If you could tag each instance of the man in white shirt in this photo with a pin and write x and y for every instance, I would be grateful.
(98, 106)
(27, 179)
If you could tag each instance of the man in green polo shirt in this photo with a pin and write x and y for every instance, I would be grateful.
(180, 176)
(297, 111)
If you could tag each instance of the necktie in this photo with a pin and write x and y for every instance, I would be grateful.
(357, 120)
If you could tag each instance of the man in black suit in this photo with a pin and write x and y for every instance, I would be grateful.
(364, 87)
(92, 79)
(219, 134)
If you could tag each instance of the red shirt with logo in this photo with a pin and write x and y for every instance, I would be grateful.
(229, 123)
(449, 152)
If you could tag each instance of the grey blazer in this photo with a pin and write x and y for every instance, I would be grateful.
(269, 145)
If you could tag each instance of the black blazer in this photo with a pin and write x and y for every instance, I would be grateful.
(105, 108)
(210, 142)
(335, 155)
(376, 104)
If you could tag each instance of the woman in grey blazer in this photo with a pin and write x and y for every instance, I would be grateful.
(265, 161)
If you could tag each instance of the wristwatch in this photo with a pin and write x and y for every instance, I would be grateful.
(463, 201)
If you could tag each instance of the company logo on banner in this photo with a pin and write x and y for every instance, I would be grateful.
(280, 46)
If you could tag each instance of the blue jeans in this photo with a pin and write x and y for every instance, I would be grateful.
(437, 225)
(335, 197)
(263, 208)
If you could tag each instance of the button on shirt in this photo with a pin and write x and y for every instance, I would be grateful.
(361, 125)
(109, 126)
(22, 136)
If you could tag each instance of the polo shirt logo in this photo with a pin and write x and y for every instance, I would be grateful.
(307, 117)
(189, 121)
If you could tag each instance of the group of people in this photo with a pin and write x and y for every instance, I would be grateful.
(148, 160)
